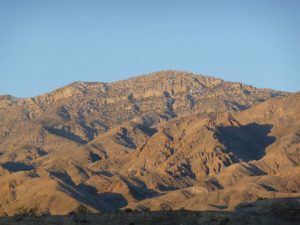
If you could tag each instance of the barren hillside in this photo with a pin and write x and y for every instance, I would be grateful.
(167, 140)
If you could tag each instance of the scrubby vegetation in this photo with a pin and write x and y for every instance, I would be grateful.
(81, 209)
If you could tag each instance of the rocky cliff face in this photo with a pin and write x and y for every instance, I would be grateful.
(164, 140)
(89, 109)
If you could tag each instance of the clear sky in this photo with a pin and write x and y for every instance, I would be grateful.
(45, 44)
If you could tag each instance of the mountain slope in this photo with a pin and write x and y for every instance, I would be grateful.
(84, 110)
(165, 140)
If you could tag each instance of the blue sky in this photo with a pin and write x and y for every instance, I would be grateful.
(47, 44)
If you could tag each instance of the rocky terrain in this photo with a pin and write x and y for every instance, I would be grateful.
(164, 141)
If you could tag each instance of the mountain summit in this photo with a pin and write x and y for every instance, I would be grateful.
(90, 108)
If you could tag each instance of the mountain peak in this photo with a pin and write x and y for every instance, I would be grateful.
(163, 136)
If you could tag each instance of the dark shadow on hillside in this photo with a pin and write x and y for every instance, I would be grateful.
(63, 176)
(147, 130)
(115, 200)
(17, 166)
(247, 142)
(139, 189)
(103, 173)
(87, 195)
(124, 139)
(41, 152)
(93, 157)
(65, 134)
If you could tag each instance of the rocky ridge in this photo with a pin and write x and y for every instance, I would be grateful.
(166, 140)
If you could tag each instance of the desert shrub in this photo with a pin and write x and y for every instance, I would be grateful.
(165, 207)
(261, 198)
(128, 210)
(142, 208)
(26, 212)
(81, 209)
(4, 214)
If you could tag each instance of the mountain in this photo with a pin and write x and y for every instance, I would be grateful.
(166, 140)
